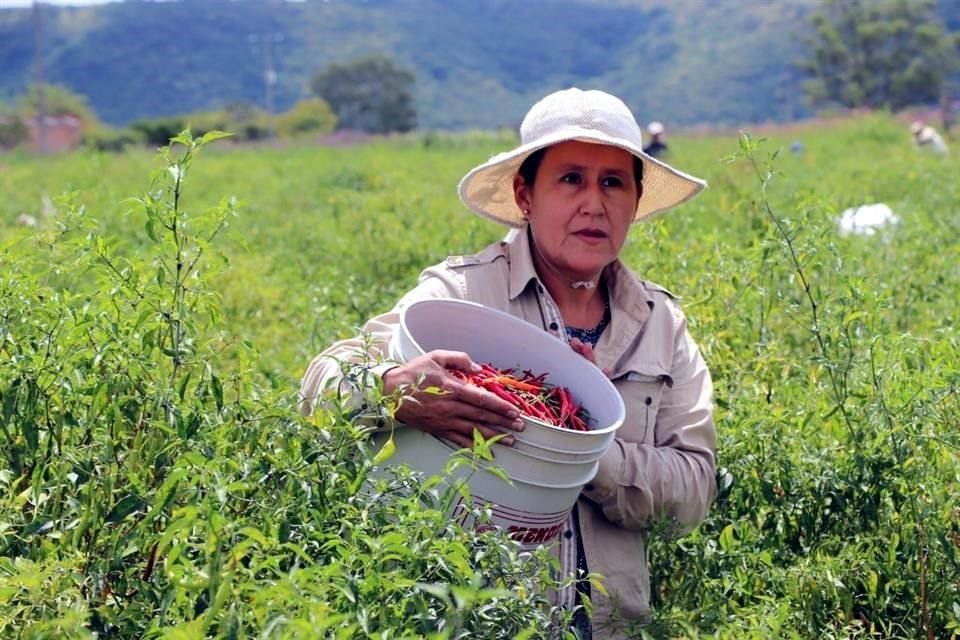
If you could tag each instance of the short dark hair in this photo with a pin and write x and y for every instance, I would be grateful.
(528, 170)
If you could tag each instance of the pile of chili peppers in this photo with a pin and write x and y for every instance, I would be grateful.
(531, 395)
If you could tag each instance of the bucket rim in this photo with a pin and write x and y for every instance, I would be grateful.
(518, 436)
(575, 434)
(586, 456)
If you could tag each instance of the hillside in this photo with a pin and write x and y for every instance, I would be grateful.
(478, 64)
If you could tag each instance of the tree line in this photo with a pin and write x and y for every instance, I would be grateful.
(887, 54)
(875, 53)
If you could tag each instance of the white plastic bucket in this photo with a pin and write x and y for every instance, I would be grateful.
(505, 341)
(548, 465)
(531, 511)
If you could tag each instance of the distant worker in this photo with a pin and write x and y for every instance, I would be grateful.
(656, 147)
(925, 136)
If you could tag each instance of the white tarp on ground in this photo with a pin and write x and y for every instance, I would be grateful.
(866, 219)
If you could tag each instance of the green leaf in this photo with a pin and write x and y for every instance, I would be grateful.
(210, 136)
(152, 231)
(184, 519)
(872, 581)
(38, 526)
(124, 507)
(856, 315)
(386, 451)
(217, 388)
(182, 387)
(184, 137)
(256, 535)
(727, 538)
(440, 591)
(596, 582)
(166, 495)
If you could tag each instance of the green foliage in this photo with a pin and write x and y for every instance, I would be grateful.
(103, 138)
(150, 493)
(13, 130)
(58, 100)
(371, 94)
(475, 66)
(840, 533)
(307, 116)
(158, 131)
(889, 54)
(245, 121)
(242, 120)
(834, 358)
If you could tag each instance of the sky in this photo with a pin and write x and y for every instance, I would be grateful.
(13, 4)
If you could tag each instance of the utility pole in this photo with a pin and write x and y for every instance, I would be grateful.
(269, 77)
(268, 38)
(41, 116)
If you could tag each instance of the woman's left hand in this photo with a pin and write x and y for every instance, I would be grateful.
(586, 351)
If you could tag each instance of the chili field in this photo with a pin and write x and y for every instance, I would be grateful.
(157, 481)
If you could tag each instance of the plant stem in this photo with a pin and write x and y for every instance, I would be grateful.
(839, 395)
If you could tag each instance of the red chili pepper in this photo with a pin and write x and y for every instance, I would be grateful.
(550, 414)
(509, 381)
(564, 405)
(531, 394)
(579, 424)
(500, 391)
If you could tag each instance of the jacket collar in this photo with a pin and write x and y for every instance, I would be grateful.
(521, 263)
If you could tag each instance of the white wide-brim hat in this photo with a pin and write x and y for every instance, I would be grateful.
(573, 114)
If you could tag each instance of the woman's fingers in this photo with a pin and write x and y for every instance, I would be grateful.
(436, 413)
(454, 360)
(492, 416)
(484, 406)
(461, 399)
(587, 352)
(439, 402)
(448, 413)
(430, 369)
(583, 349)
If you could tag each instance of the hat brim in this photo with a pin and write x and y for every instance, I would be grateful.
(488, 188)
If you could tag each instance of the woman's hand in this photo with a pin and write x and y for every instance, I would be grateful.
(586, 351)
(445, 406)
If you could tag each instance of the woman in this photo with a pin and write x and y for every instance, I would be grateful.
(573, 187)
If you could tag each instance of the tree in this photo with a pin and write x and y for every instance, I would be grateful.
(879, 53)
(13, 130)
(57, 101)
(371, 94)
(307, 116)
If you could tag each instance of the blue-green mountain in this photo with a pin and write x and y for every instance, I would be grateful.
(478, 63)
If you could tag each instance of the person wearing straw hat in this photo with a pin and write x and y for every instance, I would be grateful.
(572, 189)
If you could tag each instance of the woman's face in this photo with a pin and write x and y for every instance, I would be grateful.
(581, 205)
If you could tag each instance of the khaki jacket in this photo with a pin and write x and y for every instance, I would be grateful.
(660, 471)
